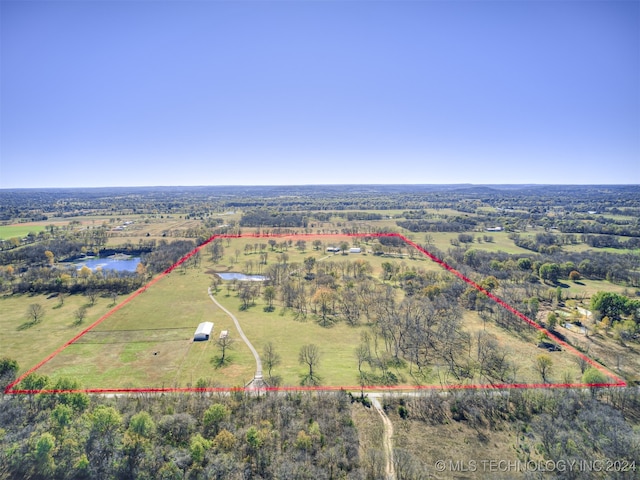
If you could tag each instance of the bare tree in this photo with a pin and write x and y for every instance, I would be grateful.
(269, 296)
(35, 312)
(582, 362)
(270, 359)
(350, 306)
(363, 355)
(217, 250)
(224, 343)
(80, 315)
(92, 295)
(247, 294)
(310, 356)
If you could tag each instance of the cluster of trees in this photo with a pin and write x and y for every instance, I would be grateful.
(430, 332)
(45, 267)
(611, 241)
(166, 254)
(267, 218)
(350, 216)
(72, 281)
(568, 427)
(420, 327)
(518, 268)
(177, 436)
(614, 306)
(603, 226)
(546, 243)
(455, 224)
(34, 255)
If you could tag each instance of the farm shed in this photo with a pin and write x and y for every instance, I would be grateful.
(203, 332)
(355, 250)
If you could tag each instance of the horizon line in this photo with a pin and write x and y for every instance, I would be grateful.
(462, 184)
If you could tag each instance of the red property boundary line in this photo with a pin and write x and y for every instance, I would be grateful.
(618, 382)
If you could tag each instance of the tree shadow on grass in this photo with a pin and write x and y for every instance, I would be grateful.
(219, 362)
(327, 322)
(27, 325)
(310, 380)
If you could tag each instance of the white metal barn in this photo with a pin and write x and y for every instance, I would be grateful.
(203, 332)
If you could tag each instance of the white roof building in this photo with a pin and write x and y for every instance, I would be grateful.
(203, 332)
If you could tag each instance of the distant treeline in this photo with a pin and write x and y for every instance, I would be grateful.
(551, 243)
(458, 224)
(48, 280)
(268, 218)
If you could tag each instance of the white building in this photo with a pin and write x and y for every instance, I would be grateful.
(355, 250)
(203, 332)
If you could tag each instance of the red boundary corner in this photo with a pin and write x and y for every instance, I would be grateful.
(618, 382)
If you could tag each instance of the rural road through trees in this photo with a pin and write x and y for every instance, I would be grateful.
(257, 381)
(387, 440)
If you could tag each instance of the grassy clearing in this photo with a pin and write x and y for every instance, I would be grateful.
(584, 289)
(457, 441)
(370, 429)
(148, 343)
(584, 247)
(29, 346)
(20, 230)
(501, 242)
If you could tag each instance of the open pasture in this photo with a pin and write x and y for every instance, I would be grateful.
(28, 344)
(19, 230)
(148, 342)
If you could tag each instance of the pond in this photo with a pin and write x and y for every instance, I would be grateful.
(242, 277)
(119, 263)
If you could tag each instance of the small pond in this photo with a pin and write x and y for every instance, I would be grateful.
(242, 277)
(119, 263)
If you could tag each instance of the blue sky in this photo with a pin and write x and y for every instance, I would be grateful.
(124, 93)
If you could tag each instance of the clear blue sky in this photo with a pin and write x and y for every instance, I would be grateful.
(120, 93)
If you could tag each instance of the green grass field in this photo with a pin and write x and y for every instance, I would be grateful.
(501, 242)
(19, 231)
(29, 346)
(148, 342)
